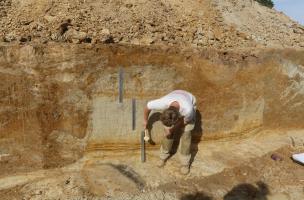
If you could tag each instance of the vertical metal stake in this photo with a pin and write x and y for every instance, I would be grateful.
(120, 86)
(142, 146)
(133, 114)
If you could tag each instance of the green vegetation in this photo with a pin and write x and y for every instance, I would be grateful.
(267, 3)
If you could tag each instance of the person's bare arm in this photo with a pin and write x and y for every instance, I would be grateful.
(146, 116)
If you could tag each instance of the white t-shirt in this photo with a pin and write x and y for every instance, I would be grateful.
(186, 101)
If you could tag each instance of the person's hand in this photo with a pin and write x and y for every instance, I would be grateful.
(146, 137)
(167, 132)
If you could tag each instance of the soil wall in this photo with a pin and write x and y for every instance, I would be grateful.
(58, 101)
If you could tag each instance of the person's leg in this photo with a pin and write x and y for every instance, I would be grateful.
(185, 148)
(165, 149)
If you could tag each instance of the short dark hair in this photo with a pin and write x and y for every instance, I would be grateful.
(170, 116)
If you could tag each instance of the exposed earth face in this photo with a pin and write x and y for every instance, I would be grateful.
(62, 125)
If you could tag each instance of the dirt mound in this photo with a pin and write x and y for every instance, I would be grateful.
(208, 23)
(265, 26)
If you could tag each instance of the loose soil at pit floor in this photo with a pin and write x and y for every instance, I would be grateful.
(260, 178)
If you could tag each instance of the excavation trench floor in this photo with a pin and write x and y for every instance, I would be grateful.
(235, 168)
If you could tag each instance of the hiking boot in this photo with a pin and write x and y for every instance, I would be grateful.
(161, 163)
(185, 170)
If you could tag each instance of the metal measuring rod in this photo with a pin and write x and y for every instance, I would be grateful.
(120, 84)
(133, 114)
(142, 147)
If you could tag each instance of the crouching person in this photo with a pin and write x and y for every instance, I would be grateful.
(178, 114)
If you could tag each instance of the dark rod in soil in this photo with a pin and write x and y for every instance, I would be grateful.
(120, 86)
(142, 147)
(133, 114)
